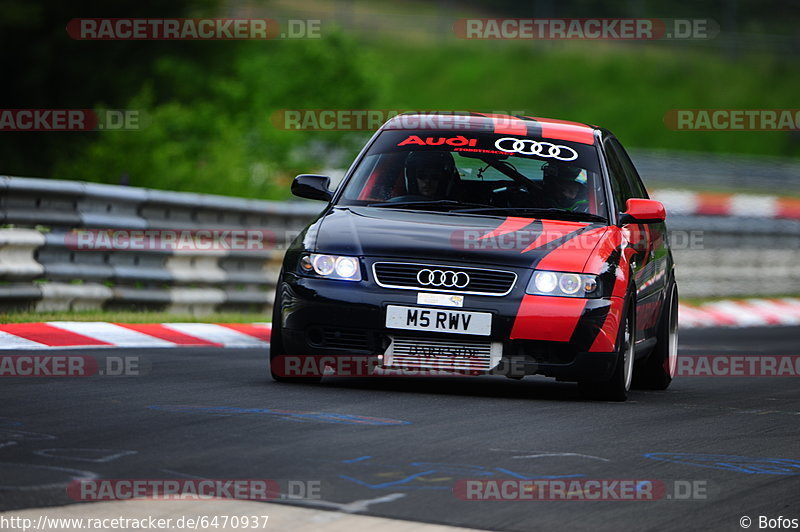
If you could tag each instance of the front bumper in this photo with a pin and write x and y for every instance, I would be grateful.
(552, 336)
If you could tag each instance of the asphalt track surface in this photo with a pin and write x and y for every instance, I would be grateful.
(235, 422)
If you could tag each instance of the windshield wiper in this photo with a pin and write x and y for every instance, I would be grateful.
(556, 213)
(424, 203)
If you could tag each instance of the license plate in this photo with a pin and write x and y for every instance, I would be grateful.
(439, 320)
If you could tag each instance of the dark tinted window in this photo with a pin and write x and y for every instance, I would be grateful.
(632, 176)
(619, 183)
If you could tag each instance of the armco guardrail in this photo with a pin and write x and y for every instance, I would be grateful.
(43, 266)
(673, 168)
(735, 256)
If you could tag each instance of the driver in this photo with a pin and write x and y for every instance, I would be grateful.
(431, 174)
(565, 187)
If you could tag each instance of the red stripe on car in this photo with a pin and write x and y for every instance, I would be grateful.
(623, 273)
(565, 130)
(509, 225)
(553, 230)
(508, 125)
(608, 243)
(547, 318)
(606, 339)
(573, 254)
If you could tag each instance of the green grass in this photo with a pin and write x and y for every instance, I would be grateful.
(694, 301)
(228, 317)
(131, 317)
(626, 89)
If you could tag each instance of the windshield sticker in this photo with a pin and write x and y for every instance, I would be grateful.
(535, 147)
(460, 140)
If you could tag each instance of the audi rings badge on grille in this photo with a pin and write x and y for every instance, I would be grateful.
(447, 279)
(535, 147)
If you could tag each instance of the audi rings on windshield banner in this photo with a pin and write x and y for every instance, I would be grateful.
(535, 147)
(447, 279)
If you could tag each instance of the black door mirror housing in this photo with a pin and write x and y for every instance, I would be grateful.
(313, 187)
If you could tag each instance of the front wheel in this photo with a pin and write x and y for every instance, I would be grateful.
(657, 370)
(616, 388)
(279, 366)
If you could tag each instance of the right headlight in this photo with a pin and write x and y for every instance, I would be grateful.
(565, 284)
(331, 266)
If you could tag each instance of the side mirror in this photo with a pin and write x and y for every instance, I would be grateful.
(312, 187)
(642, 211)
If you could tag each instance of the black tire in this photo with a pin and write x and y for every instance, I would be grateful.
(277, 353)
(616, 388)
(657, 370)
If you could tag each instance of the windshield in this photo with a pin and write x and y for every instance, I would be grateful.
(478, 172)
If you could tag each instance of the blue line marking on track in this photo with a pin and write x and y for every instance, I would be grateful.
(354, 460)
(741, 464)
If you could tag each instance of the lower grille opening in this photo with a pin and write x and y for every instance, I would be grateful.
(544, 352)
(339, 338)
(415, 352)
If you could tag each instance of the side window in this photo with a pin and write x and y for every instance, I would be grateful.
(636, 187)
(619, 184)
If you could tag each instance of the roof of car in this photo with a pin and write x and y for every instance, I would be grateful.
(529, 126)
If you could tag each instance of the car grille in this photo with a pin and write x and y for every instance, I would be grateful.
(405, 275)
(339, 338)
(410, 352)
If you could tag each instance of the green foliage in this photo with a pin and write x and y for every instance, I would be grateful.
(219, 137)
(208, 107)
(623, 88)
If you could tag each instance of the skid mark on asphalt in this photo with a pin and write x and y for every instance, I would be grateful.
(8, 435)
(735, 410)
(10, 470)
(289, 415)
(97, 456)
(545, 454)
(360, 505)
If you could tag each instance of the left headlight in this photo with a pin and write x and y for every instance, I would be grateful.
(331, 266)
(546, 283)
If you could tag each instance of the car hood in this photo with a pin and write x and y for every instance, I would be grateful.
(436, 236)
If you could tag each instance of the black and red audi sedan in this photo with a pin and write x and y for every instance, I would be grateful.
(483, 244)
